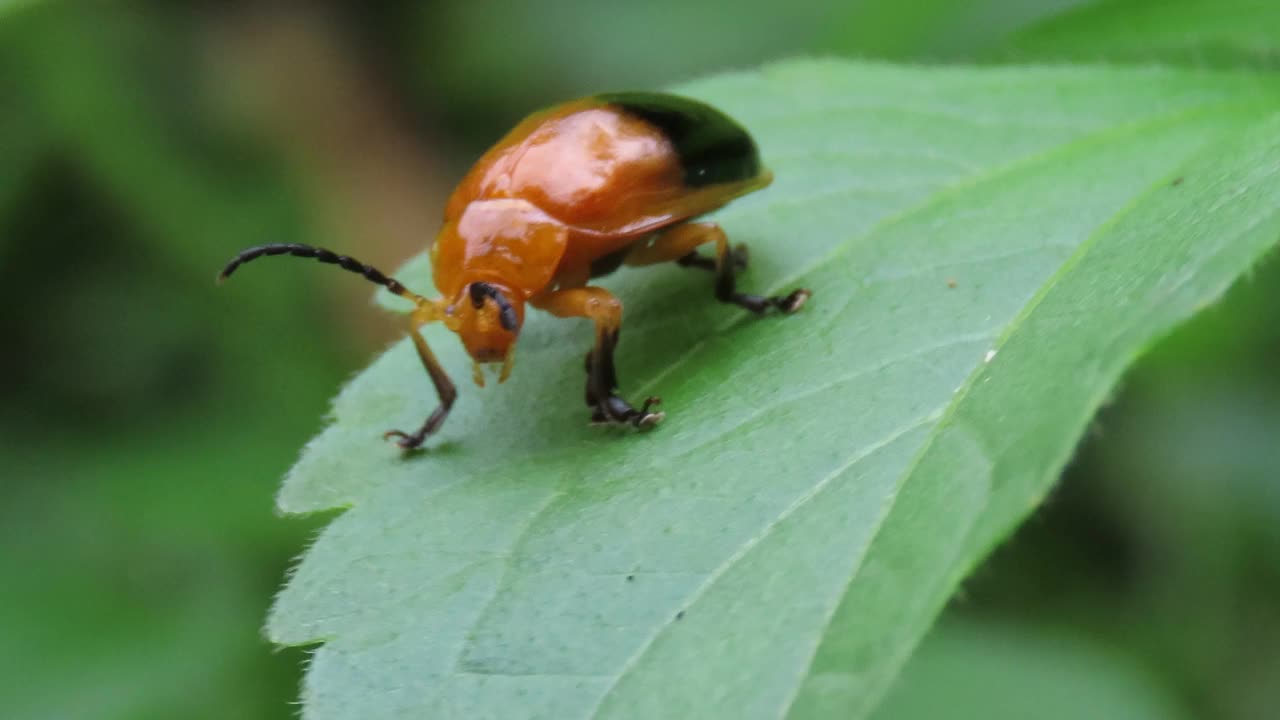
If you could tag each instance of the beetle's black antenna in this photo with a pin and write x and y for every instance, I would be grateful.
(506, 313)
(350, 264)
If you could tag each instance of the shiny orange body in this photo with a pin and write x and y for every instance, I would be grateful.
(562, 190)
(569, 194)
(601, 176)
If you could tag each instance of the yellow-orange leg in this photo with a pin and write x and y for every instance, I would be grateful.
(605, 310)
(445, 388)
(680, 244)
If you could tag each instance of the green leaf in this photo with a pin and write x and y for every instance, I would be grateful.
(1222, 33)
(971, 669)
(10, 6)
(988, 249)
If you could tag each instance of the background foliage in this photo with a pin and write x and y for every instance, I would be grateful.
(148, 416)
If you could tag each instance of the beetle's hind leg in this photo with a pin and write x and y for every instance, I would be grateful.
(605, 310)
(680, 243)
(739, 258)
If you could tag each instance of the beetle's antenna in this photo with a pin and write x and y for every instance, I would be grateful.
(350, 264)
(506, 313)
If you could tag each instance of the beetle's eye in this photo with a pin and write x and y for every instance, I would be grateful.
(506, 314)
(480, 291)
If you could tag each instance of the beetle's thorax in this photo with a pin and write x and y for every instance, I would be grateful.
(508, 241)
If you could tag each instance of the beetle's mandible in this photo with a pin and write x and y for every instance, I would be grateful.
(572, 193)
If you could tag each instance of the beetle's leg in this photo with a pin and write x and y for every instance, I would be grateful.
(605, 310)
(445, 389)
(425, 311)
(680, 244)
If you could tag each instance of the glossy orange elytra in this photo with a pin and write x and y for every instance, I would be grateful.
(572, 193)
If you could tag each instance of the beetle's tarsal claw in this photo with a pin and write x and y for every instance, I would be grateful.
(794, 301)
(645, 420)
(639, 419)
(404, 439)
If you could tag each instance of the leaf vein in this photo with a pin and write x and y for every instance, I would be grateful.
(802, 500)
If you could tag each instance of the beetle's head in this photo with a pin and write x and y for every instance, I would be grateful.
(487, 317)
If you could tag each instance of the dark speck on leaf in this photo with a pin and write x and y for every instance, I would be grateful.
(951, 283)
(1177, 181)
(630, 578)
(680, 615)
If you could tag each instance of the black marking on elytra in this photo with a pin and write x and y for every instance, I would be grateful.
(713, 148)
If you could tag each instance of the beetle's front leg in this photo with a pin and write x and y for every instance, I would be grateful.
(602, 387)
(445, 388)
(605, 310)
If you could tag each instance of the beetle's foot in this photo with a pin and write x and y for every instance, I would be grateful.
(645, 419)
(792, 302)
(740, 257)
(758, 304)
(616, 411)
(405, 440)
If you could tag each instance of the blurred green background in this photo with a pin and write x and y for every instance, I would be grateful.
(148, 415)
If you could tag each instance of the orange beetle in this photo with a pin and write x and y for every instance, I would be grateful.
(570, 194)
